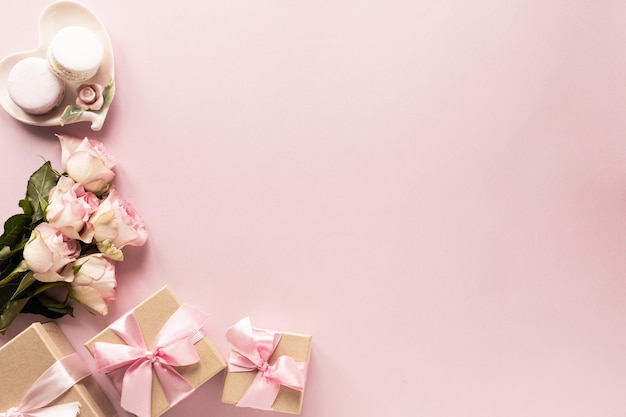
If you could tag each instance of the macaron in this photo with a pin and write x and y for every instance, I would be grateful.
(33, 87)
(75, 53)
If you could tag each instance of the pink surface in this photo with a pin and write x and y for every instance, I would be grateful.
(435, 190)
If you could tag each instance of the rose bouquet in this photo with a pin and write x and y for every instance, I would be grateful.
(68, 238)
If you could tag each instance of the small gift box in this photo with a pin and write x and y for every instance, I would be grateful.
(266, 369)
(156, 354)
(42, 375)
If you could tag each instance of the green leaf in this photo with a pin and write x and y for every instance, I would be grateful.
(47, 306)
(48, 285)
(26, 207)
(108, 93)
(9, 257)
(6, 292)
(10, 312)
(70, 114)
(27, 281)
(14, 229)
(38, 190)
(5, 253)
(20, 269)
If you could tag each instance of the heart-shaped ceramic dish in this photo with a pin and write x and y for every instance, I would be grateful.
(54, 18)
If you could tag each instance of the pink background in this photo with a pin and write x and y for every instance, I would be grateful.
(435, 190)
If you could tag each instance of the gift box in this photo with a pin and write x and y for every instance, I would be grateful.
(267, 369)
(157, 354)
(41, 360)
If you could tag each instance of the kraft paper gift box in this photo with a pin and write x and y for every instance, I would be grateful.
(158, 321)
(40, 349)
(267, 370)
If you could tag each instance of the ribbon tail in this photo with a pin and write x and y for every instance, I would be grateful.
(61, 410)
(57, 379)
(136, 394)
(175, 387)
(260, 394)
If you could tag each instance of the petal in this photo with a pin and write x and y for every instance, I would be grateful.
(89, 170)
(37, 255)
(69, 144)
(91, 298)
(51, 276)
(105, 225)
(86, 235)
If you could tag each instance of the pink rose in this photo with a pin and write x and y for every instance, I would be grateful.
(93, 283)
(87, 162)
(69, 208)
(117, 224)
(47, 251)
(89, 96)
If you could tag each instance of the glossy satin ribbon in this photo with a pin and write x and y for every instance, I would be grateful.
(173, 346)
(57, 379)
(252, 350)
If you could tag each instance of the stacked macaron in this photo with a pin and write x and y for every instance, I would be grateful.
(37, 85)
(75, 53)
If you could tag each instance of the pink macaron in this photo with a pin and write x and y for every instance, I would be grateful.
(34, 87)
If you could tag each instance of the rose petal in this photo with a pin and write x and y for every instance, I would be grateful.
(37, 255)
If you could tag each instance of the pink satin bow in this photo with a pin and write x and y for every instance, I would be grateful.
(173, 346)
(57, 379)
(252, 350)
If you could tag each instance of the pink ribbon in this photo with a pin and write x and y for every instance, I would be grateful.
(57, 379)
(252, 350)
(173, 346)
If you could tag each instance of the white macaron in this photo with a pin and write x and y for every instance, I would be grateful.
(75, 53)
(33, 87)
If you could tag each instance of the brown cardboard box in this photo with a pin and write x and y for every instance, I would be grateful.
(152, 315)
(288, 400)
(30, 354)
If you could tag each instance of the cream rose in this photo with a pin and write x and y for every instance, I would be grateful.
(69, 208)
(87, 162)
(93, 283)
(116, 224)
(47, 251)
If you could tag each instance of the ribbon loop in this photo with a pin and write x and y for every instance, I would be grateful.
(252, 351)
(173, 346)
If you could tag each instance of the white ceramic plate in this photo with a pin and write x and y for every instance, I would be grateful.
(54, 18)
